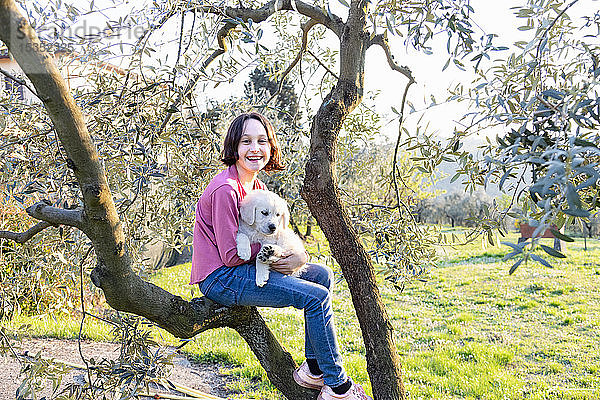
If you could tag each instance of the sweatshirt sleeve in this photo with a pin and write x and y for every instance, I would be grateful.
(225, 217)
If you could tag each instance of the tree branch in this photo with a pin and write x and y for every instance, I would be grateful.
(305, 29)
(221, 35)
(333, 22)
(129, 293)
(55, 215)
(399, 202)
(19, 81)
(322, 64)
(381, 41)
(25, 236)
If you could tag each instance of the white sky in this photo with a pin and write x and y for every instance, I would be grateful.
(491, 16)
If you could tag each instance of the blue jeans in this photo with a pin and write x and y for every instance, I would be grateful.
(310, 291)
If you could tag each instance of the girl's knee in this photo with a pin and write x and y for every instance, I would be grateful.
(319, 298)
(321, 274)
(327, 277)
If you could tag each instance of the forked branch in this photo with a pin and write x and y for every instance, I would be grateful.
(48, 216)
(331, 21)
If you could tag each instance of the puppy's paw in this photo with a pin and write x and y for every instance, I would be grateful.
(243, 246)
(269, 253)
(244, 252)
(261, 283)
(262, 273)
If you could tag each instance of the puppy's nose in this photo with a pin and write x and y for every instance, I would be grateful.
(272, 227)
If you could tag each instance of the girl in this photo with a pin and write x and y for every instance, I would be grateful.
(251, 146)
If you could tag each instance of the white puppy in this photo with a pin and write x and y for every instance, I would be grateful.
(264, 218)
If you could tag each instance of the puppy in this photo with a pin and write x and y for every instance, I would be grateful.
(264, 218)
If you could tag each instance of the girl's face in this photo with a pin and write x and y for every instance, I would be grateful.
(253, 149)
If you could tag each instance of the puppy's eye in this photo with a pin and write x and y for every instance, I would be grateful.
(265, 212)
(278, 214)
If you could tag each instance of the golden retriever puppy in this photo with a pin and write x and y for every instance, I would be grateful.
(264, 219)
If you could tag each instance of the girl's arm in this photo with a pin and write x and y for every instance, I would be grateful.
(225, 220)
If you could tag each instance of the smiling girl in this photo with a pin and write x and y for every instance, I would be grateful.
(251, 146)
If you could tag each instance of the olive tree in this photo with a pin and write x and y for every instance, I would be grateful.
(217, 31)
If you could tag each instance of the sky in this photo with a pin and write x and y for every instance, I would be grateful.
(491, 16)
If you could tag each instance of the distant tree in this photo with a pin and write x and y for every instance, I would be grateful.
(264, 90)
(456, 208)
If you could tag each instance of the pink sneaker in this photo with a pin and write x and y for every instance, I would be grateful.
(304, 378)
(356, 392)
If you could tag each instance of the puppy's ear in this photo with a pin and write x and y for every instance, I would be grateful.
(248, 211)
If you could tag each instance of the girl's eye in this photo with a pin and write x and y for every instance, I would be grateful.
(264, 212)
(245, 142)
(262, 141)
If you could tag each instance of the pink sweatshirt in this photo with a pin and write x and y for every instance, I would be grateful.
(216, 226)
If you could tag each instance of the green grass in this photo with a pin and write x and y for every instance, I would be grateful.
(59, 326)
(470, 332)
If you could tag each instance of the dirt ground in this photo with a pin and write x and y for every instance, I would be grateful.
(203, 377)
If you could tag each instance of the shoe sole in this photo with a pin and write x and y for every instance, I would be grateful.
(302, 383)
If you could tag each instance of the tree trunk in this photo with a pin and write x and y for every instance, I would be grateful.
(99, 220)
(321, 194)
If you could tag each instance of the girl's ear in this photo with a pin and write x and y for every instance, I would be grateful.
(248, 211)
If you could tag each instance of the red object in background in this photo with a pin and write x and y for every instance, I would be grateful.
(527, 230)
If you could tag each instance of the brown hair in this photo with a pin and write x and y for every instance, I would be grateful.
(229, 155)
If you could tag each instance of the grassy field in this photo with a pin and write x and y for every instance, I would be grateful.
(470, 332)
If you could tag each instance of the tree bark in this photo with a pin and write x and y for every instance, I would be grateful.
(322, 196)
(98, 219)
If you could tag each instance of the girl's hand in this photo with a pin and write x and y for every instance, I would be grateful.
(290, 262)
